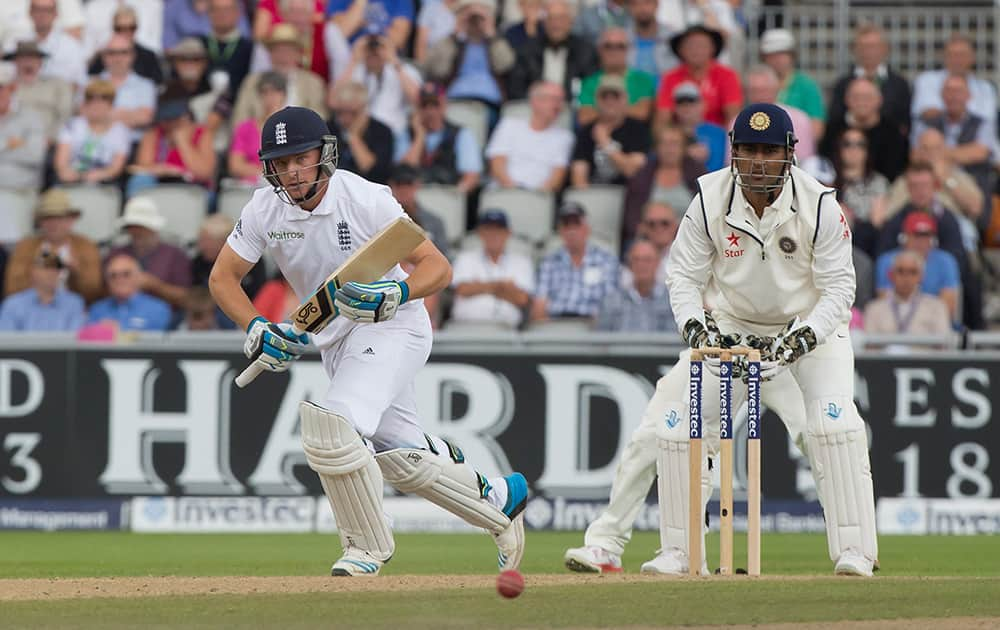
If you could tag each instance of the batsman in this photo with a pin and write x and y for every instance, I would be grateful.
(767, 247)
(364, 429)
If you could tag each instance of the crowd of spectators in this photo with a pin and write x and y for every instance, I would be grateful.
(634, 96)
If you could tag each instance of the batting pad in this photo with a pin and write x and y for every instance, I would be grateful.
(445, 482)
(843, 474)
(673, 495)
(351, 479)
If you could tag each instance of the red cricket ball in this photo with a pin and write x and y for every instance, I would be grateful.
(510, 583)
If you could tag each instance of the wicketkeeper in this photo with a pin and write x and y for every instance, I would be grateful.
(778, 248)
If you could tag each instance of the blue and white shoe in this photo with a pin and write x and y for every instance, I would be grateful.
(510, 542)
(356, 563)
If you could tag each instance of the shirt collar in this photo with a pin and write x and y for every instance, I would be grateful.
(881, 72)
(295, 213)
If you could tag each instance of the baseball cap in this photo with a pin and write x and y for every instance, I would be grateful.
(431, 92)
(570, 210)
(404, 174)
(763, 123)
(284, 33)
(777, 40)
(611, 82)
(493, 216)
(687, 92)
(919, 223)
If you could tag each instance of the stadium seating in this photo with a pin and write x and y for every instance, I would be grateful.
(448, 204)
(473, 115)
(16, 211)
(184, 206)
(604, 206)
(100, 207)
(531, 213)
(232, 197)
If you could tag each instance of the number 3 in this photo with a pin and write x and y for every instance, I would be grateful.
(22, 444)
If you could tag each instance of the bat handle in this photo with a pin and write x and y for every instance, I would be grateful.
(248, 375)
(253, 370)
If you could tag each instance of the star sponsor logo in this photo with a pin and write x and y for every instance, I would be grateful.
(734, 241)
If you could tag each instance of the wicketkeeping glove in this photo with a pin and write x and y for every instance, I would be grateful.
(371, 302)
(273, 346)
(717, 339)
(791, 344)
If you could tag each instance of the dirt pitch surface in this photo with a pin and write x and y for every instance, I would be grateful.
(137, 587)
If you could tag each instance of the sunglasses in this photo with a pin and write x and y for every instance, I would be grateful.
(117, 275)
(116, 51)
(855, 144)
(614, 46)
(658, 222)
(126, 28)
(98, 97)
(609, 94)
(907, 271)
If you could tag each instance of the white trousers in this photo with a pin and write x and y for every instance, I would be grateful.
(800, 395)
(371, 372)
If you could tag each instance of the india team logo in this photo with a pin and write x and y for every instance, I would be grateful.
(279, 134)
(760, 121)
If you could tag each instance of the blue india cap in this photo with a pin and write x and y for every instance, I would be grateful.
(763, 123)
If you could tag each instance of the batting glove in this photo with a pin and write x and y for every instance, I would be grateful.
(372, 302)
(273, 346)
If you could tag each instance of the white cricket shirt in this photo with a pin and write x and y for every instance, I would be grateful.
(793, 262)
(309, 246)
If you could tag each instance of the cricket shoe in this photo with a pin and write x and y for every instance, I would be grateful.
(356, 563)
(851, 562)
(510, 542)
(592, 559)
(671, 561)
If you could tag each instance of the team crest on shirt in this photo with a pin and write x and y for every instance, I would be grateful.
(344, 236)
(788, 246)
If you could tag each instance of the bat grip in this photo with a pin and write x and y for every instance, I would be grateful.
(248, 375)
(253, 370)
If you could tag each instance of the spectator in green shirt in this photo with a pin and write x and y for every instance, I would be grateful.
(798, 89)
(640, 87)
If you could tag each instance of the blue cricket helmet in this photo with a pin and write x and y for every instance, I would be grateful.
(767, 124)
(763, 123)
(294, 130)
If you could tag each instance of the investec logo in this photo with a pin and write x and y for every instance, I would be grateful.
(285, 236)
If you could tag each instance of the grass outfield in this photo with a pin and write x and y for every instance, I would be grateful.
(441, 581)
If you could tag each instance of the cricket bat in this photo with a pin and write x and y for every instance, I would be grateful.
(372, 261)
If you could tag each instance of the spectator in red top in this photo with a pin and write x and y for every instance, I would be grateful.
(173, 150)
(697, 48)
